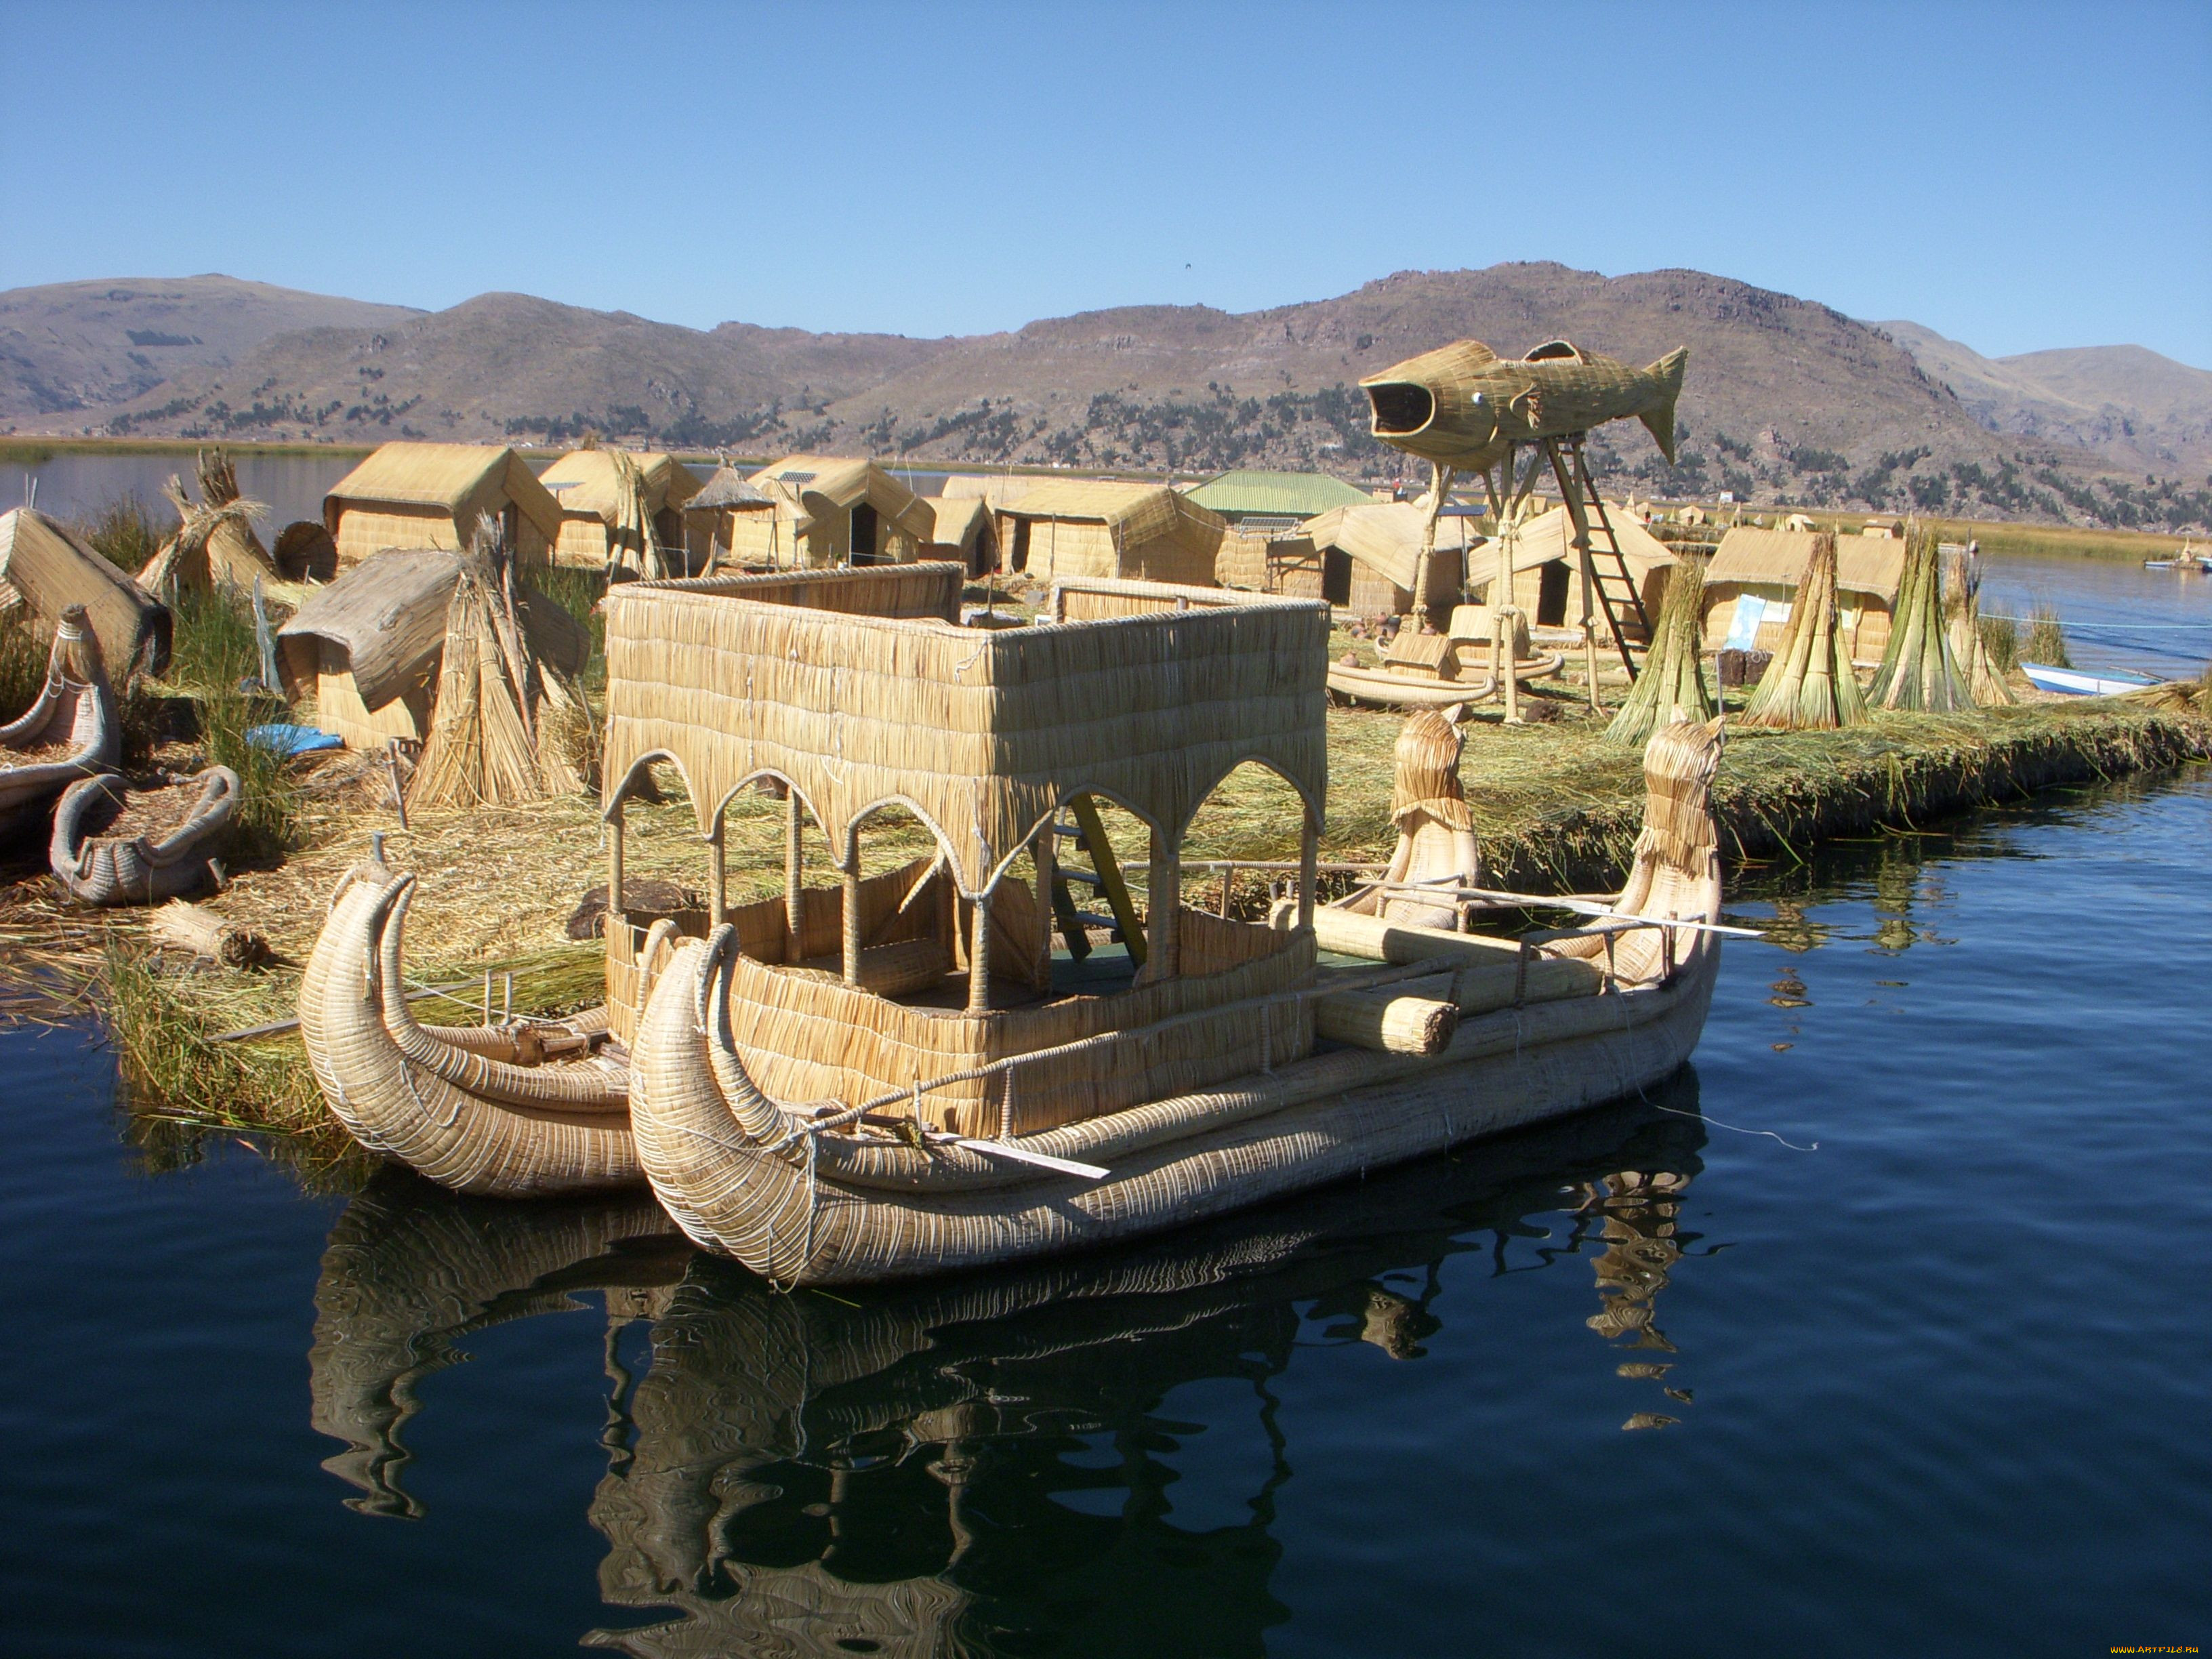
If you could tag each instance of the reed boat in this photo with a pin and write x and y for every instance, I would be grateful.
(526, 1108)
(1434, 670)
(70, 732)
(882, 1110)
(116, 842)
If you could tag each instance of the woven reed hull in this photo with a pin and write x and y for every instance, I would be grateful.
(1345, 1114)
(76, 707)
(106, 870)
(423, 1099)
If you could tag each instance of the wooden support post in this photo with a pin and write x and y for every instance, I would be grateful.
(1044, 850)
(850, 918)
(1163, 931)
(1309, 874)
(718, 877)
(979, 959)
(794, 874)
(1109, 875)
(614, 862)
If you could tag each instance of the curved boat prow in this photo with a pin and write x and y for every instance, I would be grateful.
(436, 1099)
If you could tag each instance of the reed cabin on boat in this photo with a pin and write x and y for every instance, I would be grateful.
(999, 744)
(422, 494)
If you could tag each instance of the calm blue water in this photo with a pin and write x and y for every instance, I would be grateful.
(1635, 1384)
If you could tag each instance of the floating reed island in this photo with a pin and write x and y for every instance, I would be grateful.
(575, 783)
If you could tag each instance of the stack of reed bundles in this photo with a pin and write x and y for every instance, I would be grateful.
(1809, 686)
(214, 544)
(1671, 680)
(1918, 670)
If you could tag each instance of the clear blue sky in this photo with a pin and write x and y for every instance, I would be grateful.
(2016, 176)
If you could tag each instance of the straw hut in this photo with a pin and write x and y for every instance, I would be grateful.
(815, 512)
(961, 533)
(414, 494)
(214, 543)
(368, 646)
(1545, 568)
(1367, 557)
(1091, 528)
(998, 490)
(591, 494)
(710, 516)
(45, 568)
(1753, 578)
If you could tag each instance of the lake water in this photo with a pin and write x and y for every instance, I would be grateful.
(1879, 1332)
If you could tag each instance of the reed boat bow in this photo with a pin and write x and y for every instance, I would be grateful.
(453, 1102)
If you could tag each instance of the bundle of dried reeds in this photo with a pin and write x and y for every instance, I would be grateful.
(1970, 649)
(631, 544)
(1809, 686)
(1918, 670)
(506, 727)
(1672, 681)
(214, 540)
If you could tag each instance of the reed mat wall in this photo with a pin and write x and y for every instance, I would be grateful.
(1553, 803)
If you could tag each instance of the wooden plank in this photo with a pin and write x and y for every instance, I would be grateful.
(1109, 875)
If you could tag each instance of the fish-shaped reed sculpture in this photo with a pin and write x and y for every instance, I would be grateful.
(1462, 404)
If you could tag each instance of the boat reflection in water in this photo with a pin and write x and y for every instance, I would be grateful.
(982, 1464)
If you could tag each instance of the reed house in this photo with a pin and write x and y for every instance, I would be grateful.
(1366, 557)
(1751, 584)
(962, 533)
(1081, 527)
(419, 495)
(45, 567)
(596, 515)
(811, 513)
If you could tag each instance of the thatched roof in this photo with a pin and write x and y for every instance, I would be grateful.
(1135, 512)
(45, 568)
(461, 479)
(727, 487)
(1550, 536)
(958, 522)
(1871, 565)
(998, 490)
(1293, 494)
(983, 734)
(1386, 536)
(820, 484)
(584, 481)
(388, 613)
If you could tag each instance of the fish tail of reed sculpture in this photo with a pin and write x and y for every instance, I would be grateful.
(1918, 670)
(1672, 678)
(1809, 686)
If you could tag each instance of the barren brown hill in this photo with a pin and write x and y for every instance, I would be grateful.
(71, 346)
(1787, 400)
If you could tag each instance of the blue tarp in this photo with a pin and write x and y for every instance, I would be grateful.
(293, 739)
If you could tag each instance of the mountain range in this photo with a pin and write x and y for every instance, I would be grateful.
(1787, 399)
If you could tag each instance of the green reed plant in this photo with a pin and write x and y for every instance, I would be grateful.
(2000, 639)
(217, 659)
(123, 533)
(2047, 637)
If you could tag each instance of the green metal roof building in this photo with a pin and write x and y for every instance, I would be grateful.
(1290, 496)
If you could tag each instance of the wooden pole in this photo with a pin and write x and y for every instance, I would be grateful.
(850, 920)
(794, 873)
(1044, 849)
(1308, 876)
(718, 876)
(1164, 931)
(979, 959)
(1110, 874)
(615, 860)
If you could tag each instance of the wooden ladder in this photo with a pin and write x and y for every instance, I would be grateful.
(1611, 582)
